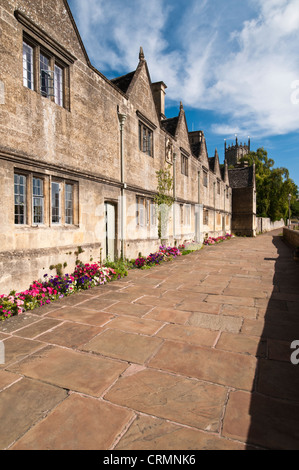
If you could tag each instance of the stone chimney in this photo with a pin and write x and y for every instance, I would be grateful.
(158, 90)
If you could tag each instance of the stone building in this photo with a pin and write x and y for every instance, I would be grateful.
(234, 152)
(243, 184)
(79, 154)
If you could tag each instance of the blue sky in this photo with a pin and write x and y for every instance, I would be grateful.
(234, 64)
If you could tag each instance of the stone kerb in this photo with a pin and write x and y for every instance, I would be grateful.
(291, 236)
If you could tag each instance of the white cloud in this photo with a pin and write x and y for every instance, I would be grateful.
(113, 31)
(210, 54)
(253, 84)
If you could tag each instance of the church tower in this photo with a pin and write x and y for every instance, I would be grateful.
(233, 153)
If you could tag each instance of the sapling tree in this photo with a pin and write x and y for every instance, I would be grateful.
(163, 200)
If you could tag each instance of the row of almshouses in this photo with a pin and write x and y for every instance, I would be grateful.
(79, 154)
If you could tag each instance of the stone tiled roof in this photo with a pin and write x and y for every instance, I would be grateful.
(170, 125)
(222, 171)
(241, 177)
(212, 163)
(196, 149)
(124, 81)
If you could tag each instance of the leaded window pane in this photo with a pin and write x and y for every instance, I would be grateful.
(38, 201)
(46, 77)
(28, 77)
(20, 199)
(58, 85)
(69, 204)
(55, 203)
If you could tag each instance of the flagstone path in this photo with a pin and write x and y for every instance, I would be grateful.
(190, 355)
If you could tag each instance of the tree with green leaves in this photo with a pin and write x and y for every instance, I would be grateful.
(163, 199)
(273, 185)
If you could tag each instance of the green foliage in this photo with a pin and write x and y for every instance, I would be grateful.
(295, 208)
(273, 185)
(164, 187)
(186, 252)
(163, 198)
(120, 265)
(58, 267)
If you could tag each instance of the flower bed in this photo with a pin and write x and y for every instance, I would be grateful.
(55, 287)
(87, 276)
(153, 259)
(213, 241)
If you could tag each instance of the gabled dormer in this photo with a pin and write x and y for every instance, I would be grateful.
(199, 147)
(138, 87)
(224, 173)
(215, 165)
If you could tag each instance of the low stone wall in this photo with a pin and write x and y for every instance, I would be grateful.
(291, 237)
(265, 225)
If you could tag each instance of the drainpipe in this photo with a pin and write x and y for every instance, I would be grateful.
(122, 118)
(174, 195)
(224, 212)
(199, 209)
(214, 208)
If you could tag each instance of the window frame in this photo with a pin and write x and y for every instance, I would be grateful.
(182, 214)
(205, 217)
(140, 211)
(26, 79)
(218, 187)
(184, 165)
(187, 215)
(59, 86)
(66, 216)
(22, 175)
(205, 178)
(145, 212)
(146, 139)
(40, 198)
(55, 207)
(54, 62)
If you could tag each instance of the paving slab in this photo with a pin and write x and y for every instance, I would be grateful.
(22, 405)
(129, 308)
(38, 327)
(81, 315)
(70, 370)
(145, 326)
(179, 399)
(188, 334)
(262, 420)
(7, 378)
(17, 349)
(215, 322)
(122, 345)
(193, 354)
(78, 423)
(221, 367)
(250, 345)
(149, 433)
(70, 334)
(169, 315)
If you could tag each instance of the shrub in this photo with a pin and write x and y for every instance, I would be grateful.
(213, 241)
(52, 288)
(139, 262)
(85, 276)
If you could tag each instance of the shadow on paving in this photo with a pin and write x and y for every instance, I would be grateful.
(274, 402)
